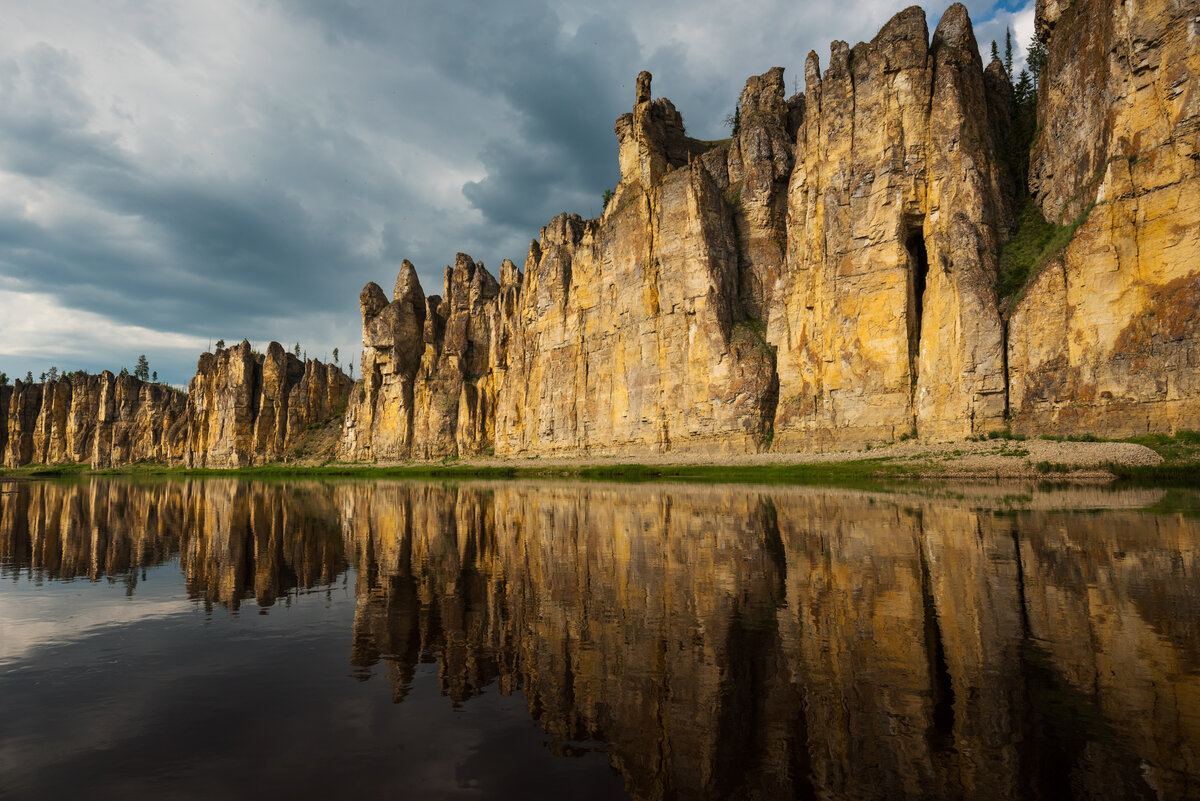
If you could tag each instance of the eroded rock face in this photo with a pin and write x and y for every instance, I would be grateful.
(1107, 338)
(102, 420)
(886, 320)
(248, 408)
(827, 277)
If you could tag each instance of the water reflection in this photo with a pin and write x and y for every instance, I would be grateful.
(722, 642)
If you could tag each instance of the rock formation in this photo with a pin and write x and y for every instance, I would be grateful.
(242, 408)
(827, 277)
(102, 420)
(1107, 338)
(247, 408)
(886, 319)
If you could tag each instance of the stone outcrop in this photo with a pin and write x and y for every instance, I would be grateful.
(1107, 337)
(887, 319)
(102, 420)
(247, 408)
(242, 408)
(825, 278)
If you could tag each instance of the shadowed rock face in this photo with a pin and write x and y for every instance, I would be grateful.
(248, 408)
(102, 420)
(1107, 338)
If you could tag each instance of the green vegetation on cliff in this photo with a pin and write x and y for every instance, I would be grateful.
(1035, 244)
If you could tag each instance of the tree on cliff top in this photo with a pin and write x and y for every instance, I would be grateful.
(142, 370)
(3, 379)
(734, 120)
(1036, 59)
(28, 376)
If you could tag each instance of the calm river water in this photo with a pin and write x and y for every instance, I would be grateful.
(231, 639)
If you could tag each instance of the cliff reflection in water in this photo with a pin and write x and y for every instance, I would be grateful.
(724, 641)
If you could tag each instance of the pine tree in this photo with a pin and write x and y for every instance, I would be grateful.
(1008, 52)
(1036, 59)
(1024, 91)
(52, 373)
(155, 377)
(3, 379)
(296, 350)
(335, 355)
(142, 371)
(28, 376)
(995, 50)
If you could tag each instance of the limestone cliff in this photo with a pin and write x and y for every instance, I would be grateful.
(825, 277)
(242, 408)
(102, 420)
(886, 320)
(248, 408)
(1107, 337)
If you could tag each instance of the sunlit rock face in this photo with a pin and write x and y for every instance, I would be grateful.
(722, 642)
(102, 420)
(1107, 337)
(886, 319)
(825, 277)
(247, 408)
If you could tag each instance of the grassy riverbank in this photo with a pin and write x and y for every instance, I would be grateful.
(1154, 459)
(855, 472)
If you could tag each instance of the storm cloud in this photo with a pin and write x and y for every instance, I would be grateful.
(176, 173)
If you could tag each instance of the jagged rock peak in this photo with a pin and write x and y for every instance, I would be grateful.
(408, 285)
(643, 87)
(564, 229)
(909, 24)
(371, 301)
(510, 275)
(812, 70)
(763, 98)
(955, 30)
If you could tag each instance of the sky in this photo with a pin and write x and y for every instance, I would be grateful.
(176, 173)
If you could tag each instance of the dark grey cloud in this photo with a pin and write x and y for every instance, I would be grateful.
(172, 173)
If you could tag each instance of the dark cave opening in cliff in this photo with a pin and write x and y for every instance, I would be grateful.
(918, 269)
